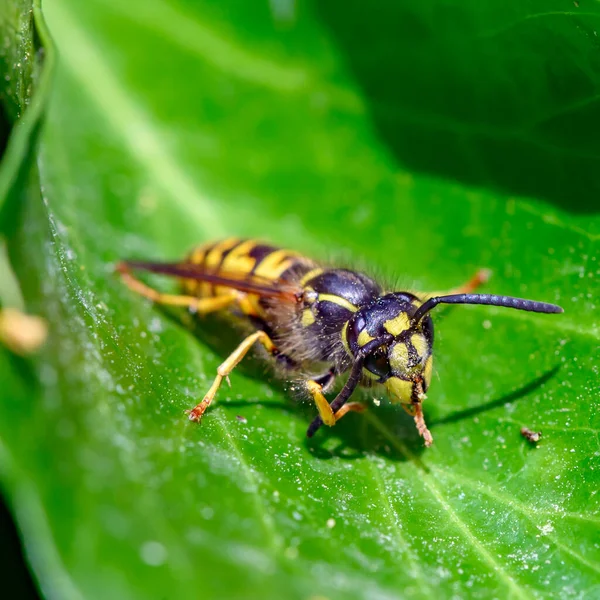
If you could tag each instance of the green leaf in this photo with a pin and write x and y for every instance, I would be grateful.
(419, 140)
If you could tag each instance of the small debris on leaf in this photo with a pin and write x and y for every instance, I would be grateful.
(531, 436)
(241, 419)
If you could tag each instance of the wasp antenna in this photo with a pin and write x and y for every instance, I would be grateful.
(489, 299)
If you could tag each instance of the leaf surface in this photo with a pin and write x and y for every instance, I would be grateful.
(169, 124)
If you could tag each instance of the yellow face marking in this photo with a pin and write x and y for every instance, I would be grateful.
(399, 390)
(308, 318)
(397, 325)
(428, 371)
(399, 357)
(364, 338)
(312, 273)
(274, 264)
(420, 343)
(338, 300)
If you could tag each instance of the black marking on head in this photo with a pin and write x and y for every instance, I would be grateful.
(427, 329)
(383, 317)
(413, 355)
(373, 317)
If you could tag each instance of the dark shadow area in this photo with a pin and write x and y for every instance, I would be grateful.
(499, 104)
(508, 399)
(357, 435)
(14, 573)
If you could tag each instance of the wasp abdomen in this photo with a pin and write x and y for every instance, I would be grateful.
(243, 259)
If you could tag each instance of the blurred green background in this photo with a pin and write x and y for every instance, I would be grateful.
(420, 141)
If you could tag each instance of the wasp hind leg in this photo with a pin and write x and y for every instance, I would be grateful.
(199, 305)
(227, 366)
(478, 279)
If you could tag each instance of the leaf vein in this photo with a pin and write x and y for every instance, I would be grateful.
(454, 517)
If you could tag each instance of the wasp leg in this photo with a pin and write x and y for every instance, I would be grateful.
(325, 412)
(415, 410)
(478, 279)
(466, 288)
(326, 380)
(195, 414)
(328, 417)
(409, 408)
(199, 305)
(350, 407)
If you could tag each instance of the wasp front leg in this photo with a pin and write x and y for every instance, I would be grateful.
(224, 370)
(328, 417)
(415, 410)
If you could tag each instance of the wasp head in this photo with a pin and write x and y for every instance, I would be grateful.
(402, 360)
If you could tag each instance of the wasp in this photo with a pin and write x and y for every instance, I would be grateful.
(317, 322)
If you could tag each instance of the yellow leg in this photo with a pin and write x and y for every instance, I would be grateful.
(466, 288)
(225, 369)
(409, 408)
(470, 286)
(325, 412)
(200, 305)
(349, 407)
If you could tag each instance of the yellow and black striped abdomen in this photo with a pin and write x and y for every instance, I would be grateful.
(243, 259)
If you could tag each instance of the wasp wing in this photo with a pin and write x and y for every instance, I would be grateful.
(251, 284)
